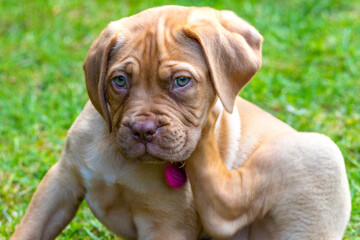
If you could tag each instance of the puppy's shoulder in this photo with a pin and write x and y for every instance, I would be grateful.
(89, 123)
(88, 132)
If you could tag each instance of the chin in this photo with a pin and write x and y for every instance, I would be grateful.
(172, 155)
(151, 153)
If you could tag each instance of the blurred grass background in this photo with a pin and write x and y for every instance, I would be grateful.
(309, 79)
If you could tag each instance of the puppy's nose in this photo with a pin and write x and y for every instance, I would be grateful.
(144, 130)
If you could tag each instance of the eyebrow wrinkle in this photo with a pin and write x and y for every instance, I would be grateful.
(150, 56)
(148, 49)
(162, 34)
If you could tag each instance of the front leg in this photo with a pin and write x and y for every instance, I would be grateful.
(226, 200)
(53, 205)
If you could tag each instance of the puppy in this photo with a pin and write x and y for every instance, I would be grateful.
(163, 86)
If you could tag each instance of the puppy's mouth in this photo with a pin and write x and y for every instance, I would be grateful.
(162, 146)
(151, 153)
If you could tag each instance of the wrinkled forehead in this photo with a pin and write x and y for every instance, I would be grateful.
(154, 37)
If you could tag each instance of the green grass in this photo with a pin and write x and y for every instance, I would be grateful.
(309, 79)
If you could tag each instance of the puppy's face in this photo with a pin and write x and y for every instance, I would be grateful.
(155, 76)
(158, 92)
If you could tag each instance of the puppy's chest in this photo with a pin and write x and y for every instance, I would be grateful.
(134, 197)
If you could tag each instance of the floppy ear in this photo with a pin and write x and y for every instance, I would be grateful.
(95, 68)
(232, 48)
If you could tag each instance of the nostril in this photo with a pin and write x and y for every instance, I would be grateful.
(135, 133)
(150, 132)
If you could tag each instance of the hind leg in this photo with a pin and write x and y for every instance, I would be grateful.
(316, 200)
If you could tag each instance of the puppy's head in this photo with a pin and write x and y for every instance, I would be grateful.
(155, 76)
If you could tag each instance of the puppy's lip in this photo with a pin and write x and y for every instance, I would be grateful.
(148, 154)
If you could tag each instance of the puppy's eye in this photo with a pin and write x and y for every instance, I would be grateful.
(119, 81)
(182, 81)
